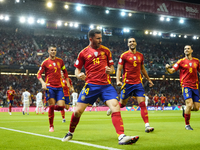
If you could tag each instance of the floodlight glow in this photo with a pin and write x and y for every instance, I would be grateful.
(185, 36)
(146, 32)
(30, 20)
(1, 17)
(129, 14)
(194, 37)
(197, 38)
(6, 18)
(99, 27)
(78, 8)
(42, 21)
(66, 6)
(91, 27)
(66, 24)
(168, 19)
(174, 35)
(181, 21)
(1, 0)
(171, 35)
(150, 33)
(76, 25)
(159, 33)
(179, 36)
(123, 13)
(22, 19)
(71, 24)
(17, 1)
(162, 18)
(155, 33)
(49, 4)
(107, 11)
(59, 23)
(126, 30)
(38, 21)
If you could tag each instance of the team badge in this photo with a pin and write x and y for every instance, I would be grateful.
(134, 57)
(123, 95)
(96, 54)
(187, 95)
(103, 54)
(54, 64)
(190, 64)
(83, 97)
(58, 64)
(195, 65)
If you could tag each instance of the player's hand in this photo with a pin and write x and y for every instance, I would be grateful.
(119, 83)
(150, 83)
(108, 69)
(81, 76)
(167, 66)
(44, 86)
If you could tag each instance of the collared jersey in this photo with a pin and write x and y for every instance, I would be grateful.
(162, 99)
(10, 94)
(155, 98)
(95, 62)
(131, 67)
(188, 72)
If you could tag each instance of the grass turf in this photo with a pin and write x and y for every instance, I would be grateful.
(96, 128)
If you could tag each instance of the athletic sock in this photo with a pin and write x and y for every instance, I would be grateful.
(121, 105)
(51, 115)
(56, 107)
(73, 123)
(10, 107)
(187, 119)
(144, 112)
(63, 113)
(118, 122)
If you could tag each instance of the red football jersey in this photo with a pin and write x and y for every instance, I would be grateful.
(52, 70)
(131, 67)
(65, 87)
(10, 95)
(95, 61)
(155, 98)
(188, 72)
(162, 98)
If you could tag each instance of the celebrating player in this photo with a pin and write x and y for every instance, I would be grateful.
(132, 63)
(66, 91)
(162, 99)
(53, 86)
(10, 97)
(155, 99)
(188, 66)
(39, 103)
(98, 64)
(26, 99)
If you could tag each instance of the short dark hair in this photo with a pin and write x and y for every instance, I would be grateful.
(51, 46)
(189, 45)
(130, 37)
(92, 32)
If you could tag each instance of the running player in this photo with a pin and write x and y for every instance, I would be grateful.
(10, 97)
(189, 67)
(26, 99)
(98, 64)
(132, 63)
(163, 99)
(53, 85)
(155, 99)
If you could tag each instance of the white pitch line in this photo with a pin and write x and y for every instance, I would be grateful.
(52, 137)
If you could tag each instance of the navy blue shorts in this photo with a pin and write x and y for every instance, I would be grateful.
(67, 101)
(191, 93)
(91, 92)
(128, 90)
(10, 102)
(56, 93)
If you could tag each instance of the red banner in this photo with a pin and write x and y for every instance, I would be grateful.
(163, 7)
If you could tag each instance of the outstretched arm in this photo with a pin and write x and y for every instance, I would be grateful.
(170, 70)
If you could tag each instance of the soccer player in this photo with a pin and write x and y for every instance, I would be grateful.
(74, 98)
(39, 103)
(146, 100)
(132, 63)
(155, 99)
(162, 99)
(53, 85)
(10, 97)
(98, 64)
(26, 99)
(189, 67)
(66, 91)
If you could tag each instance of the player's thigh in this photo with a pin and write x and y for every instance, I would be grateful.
(61, 103)
(189, 102)
(67, 106)
(113, 104)
(51, 101)
(80, 108)
(140, 99)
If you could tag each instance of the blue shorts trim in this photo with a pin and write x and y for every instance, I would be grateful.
(91, 92)
(67, 101)
(56, 93)
(10, 102)
(191, 93)
(128, 90)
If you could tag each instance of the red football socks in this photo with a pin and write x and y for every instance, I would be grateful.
(63, 113)
(10, 107)
(121, 105)
(56, 107)
(187, 119)
(144, 112)
(73, 123)
(51, 115)
(118, 122)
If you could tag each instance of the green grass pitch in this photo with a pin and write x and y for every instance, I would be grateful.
(96, 128)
